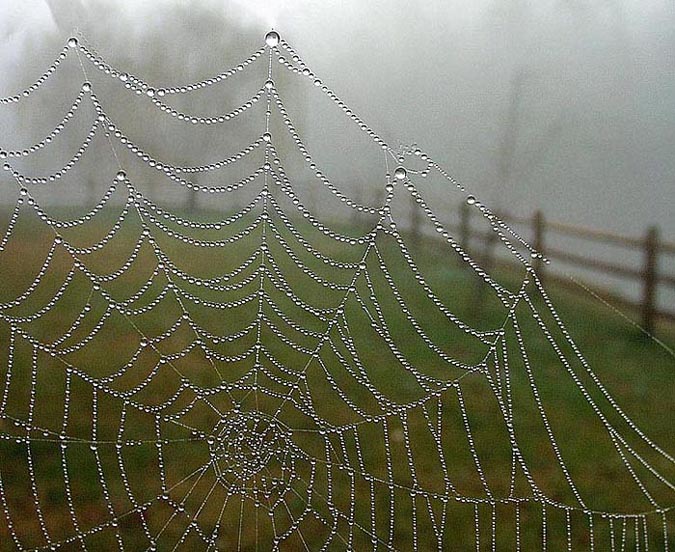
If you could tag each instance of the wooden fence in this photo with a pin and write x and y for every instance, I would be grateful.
(650, 244)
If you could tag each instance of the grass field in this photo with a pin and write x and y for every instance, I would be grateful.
(63, 474)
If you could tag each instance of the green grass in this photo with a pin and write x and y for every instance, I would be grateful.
(636, 371)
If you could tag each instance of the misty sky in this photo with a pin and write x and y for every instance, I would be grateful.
(591, 139)
(595, 130)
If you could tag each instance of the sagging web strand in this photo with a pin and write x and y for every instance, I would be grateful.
(252, 453)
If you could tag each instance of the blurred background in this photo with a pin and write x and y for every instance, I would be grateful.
(557, 115)
(565, 107)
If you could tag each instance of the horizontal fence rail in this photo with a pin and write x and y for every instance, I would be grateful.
(651, 246)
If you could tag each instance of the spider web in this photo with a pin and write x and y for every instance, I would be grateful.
(276, 380)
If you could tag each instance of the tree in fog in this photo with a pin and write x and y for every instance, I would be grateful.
(172, 44)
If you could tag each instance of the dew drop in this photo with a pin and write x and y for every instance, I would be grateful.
(471, 200)
(86, 87)
(269, 84)
(272, 39)
(150, 92)
(400, 173)
(267, 137)
(72, 42)
(121, 176)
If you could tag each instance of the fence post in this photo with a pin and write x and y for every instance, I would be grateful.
(649, 275)
(358, 197)
(538, 229)
(465, 225)
(489, 248)
(414, 220)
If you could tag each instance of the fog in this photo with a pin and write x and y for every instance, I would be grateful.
(567, 106)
